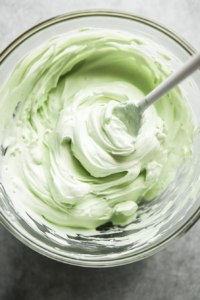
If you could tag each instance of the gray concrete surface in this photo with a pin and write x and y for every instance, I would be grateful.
(174, 273)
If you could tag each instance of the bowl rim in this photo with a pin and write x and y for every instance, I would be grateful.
(130, 257)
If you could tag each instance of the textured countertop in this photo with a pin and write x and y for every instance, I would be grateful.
(173, 273)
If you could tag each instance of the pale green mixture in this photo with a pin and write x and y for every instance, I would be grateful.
(64, 159)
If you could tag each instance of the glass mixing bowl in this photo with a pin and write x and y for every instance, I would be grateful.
(170, 214)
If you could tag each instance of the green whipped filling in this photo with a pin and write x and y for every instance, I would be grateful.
(63, 158)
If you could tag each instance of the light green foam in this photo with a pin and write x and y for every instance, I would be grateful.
(65, 160)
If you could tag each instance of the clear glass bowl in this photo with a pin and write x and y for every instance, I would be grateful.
(171, 214)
